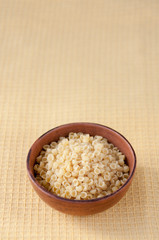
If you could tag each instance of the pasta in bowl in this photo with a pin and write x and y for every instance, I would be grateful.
(81, 168)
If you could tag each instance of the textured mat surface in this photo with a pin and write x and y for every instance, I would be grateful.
(82, 60)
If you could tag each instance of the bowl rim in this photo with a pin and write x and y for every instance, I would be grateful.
(52, 195)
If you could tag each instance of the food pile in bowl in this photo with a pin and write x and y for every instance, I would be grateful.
(81, 167)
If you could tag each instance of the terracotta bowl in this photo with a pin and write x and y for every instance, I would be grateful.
(81, 207)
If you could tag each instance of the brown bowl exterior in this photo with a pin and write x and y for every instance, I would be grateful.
(81, 207)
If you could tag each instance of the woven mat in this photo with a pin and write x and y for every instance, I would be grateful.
(64, 61)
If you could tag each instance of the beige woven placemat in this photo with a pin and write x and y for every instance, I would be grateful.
(64, 61)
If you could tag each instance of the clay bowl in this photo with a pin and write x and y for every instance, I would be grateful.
(81, 207)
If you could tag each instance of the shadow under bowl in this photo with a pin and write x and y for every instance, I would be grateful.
(81, 207)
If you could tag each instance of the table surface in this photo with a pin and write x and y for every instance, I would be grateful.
(65, 61)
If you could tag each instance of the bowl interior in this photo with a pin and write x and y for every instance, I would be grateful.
(93, 129)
